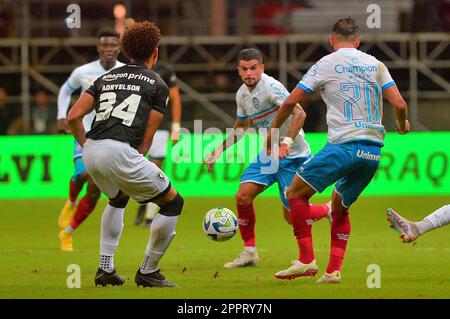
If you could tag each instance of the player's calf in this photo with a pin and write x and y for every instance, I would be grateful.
(93, 192)
(162, 232)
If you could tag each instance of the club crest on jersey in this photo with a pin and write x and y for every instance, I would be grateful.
(160, 176)
(256, 102)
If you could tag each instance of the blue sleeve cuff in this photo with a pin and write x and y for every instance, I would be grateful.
(241, 117)
(70, 85)
(388, 85)
(304, 88)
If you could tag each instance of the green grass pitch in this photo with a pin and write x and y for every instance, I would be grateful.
(33, 267)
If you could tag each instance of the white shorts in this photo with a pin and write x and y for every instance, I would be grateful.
(115, 166)
(158, 149)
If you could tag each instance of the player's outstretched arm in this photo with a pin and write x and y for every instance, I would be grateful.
(298, 119)
(175, 100)
(83, 106)
(63, 102)
(400, 106)
(154, 121)
(239, 128)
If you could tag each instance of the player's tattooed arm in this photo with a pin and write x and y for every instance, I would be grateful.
(154, 121)
(400, 106)
(83, 106)
(283, 113)
(298, 119)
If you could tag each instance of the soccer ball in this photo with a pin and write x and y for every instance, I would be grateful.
(220, 224)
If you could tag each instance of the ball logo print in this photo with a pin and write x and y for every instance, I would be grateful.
(220, 224)
(256, 102)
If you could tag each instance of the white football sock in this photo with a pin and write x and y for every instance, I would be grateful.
(162, 232)
(69, 229)
(75, 203)
(107, 263)
(438, 218)
(250, 249)
(111, 229)
(151, 209)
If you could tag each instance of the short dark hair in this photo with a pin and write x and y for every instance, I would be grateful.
(140, 40)
(250, 54)
(346, 27)
(107, 32)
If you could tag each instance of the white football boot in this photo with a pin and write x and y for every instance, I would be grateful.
(298, 269)
(407, 230)
(245, 259)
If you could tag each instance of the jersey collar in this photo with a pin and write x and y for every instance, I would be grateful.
(263, 76)
(137, 64)
(101, 66)
(346, 49)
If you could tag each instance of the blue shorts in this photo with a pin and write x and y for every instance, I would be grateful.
(351, 165)
(283, 175)
(78, 160)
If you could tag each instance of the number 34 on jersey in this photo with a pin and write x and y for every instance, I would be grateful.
(107, 108)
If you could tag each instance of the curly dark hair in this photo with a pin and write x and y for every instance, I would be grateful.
(140, 40)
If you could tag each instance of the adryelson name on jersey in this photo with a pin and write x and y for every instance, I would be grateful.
(124, 87)
(137, 76)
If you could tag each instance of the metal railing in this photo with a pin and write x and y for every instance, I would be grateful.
(422, 54)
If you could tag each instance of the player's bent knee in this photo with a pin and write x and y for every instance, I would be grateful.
(291, 193)
(80, 179)
(173, 208)
(243, 198)
(119, 202)
(94, 195)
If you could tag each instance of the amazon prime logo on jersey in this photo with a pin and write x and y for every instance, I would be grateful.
(256, 103)
(112, 77)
